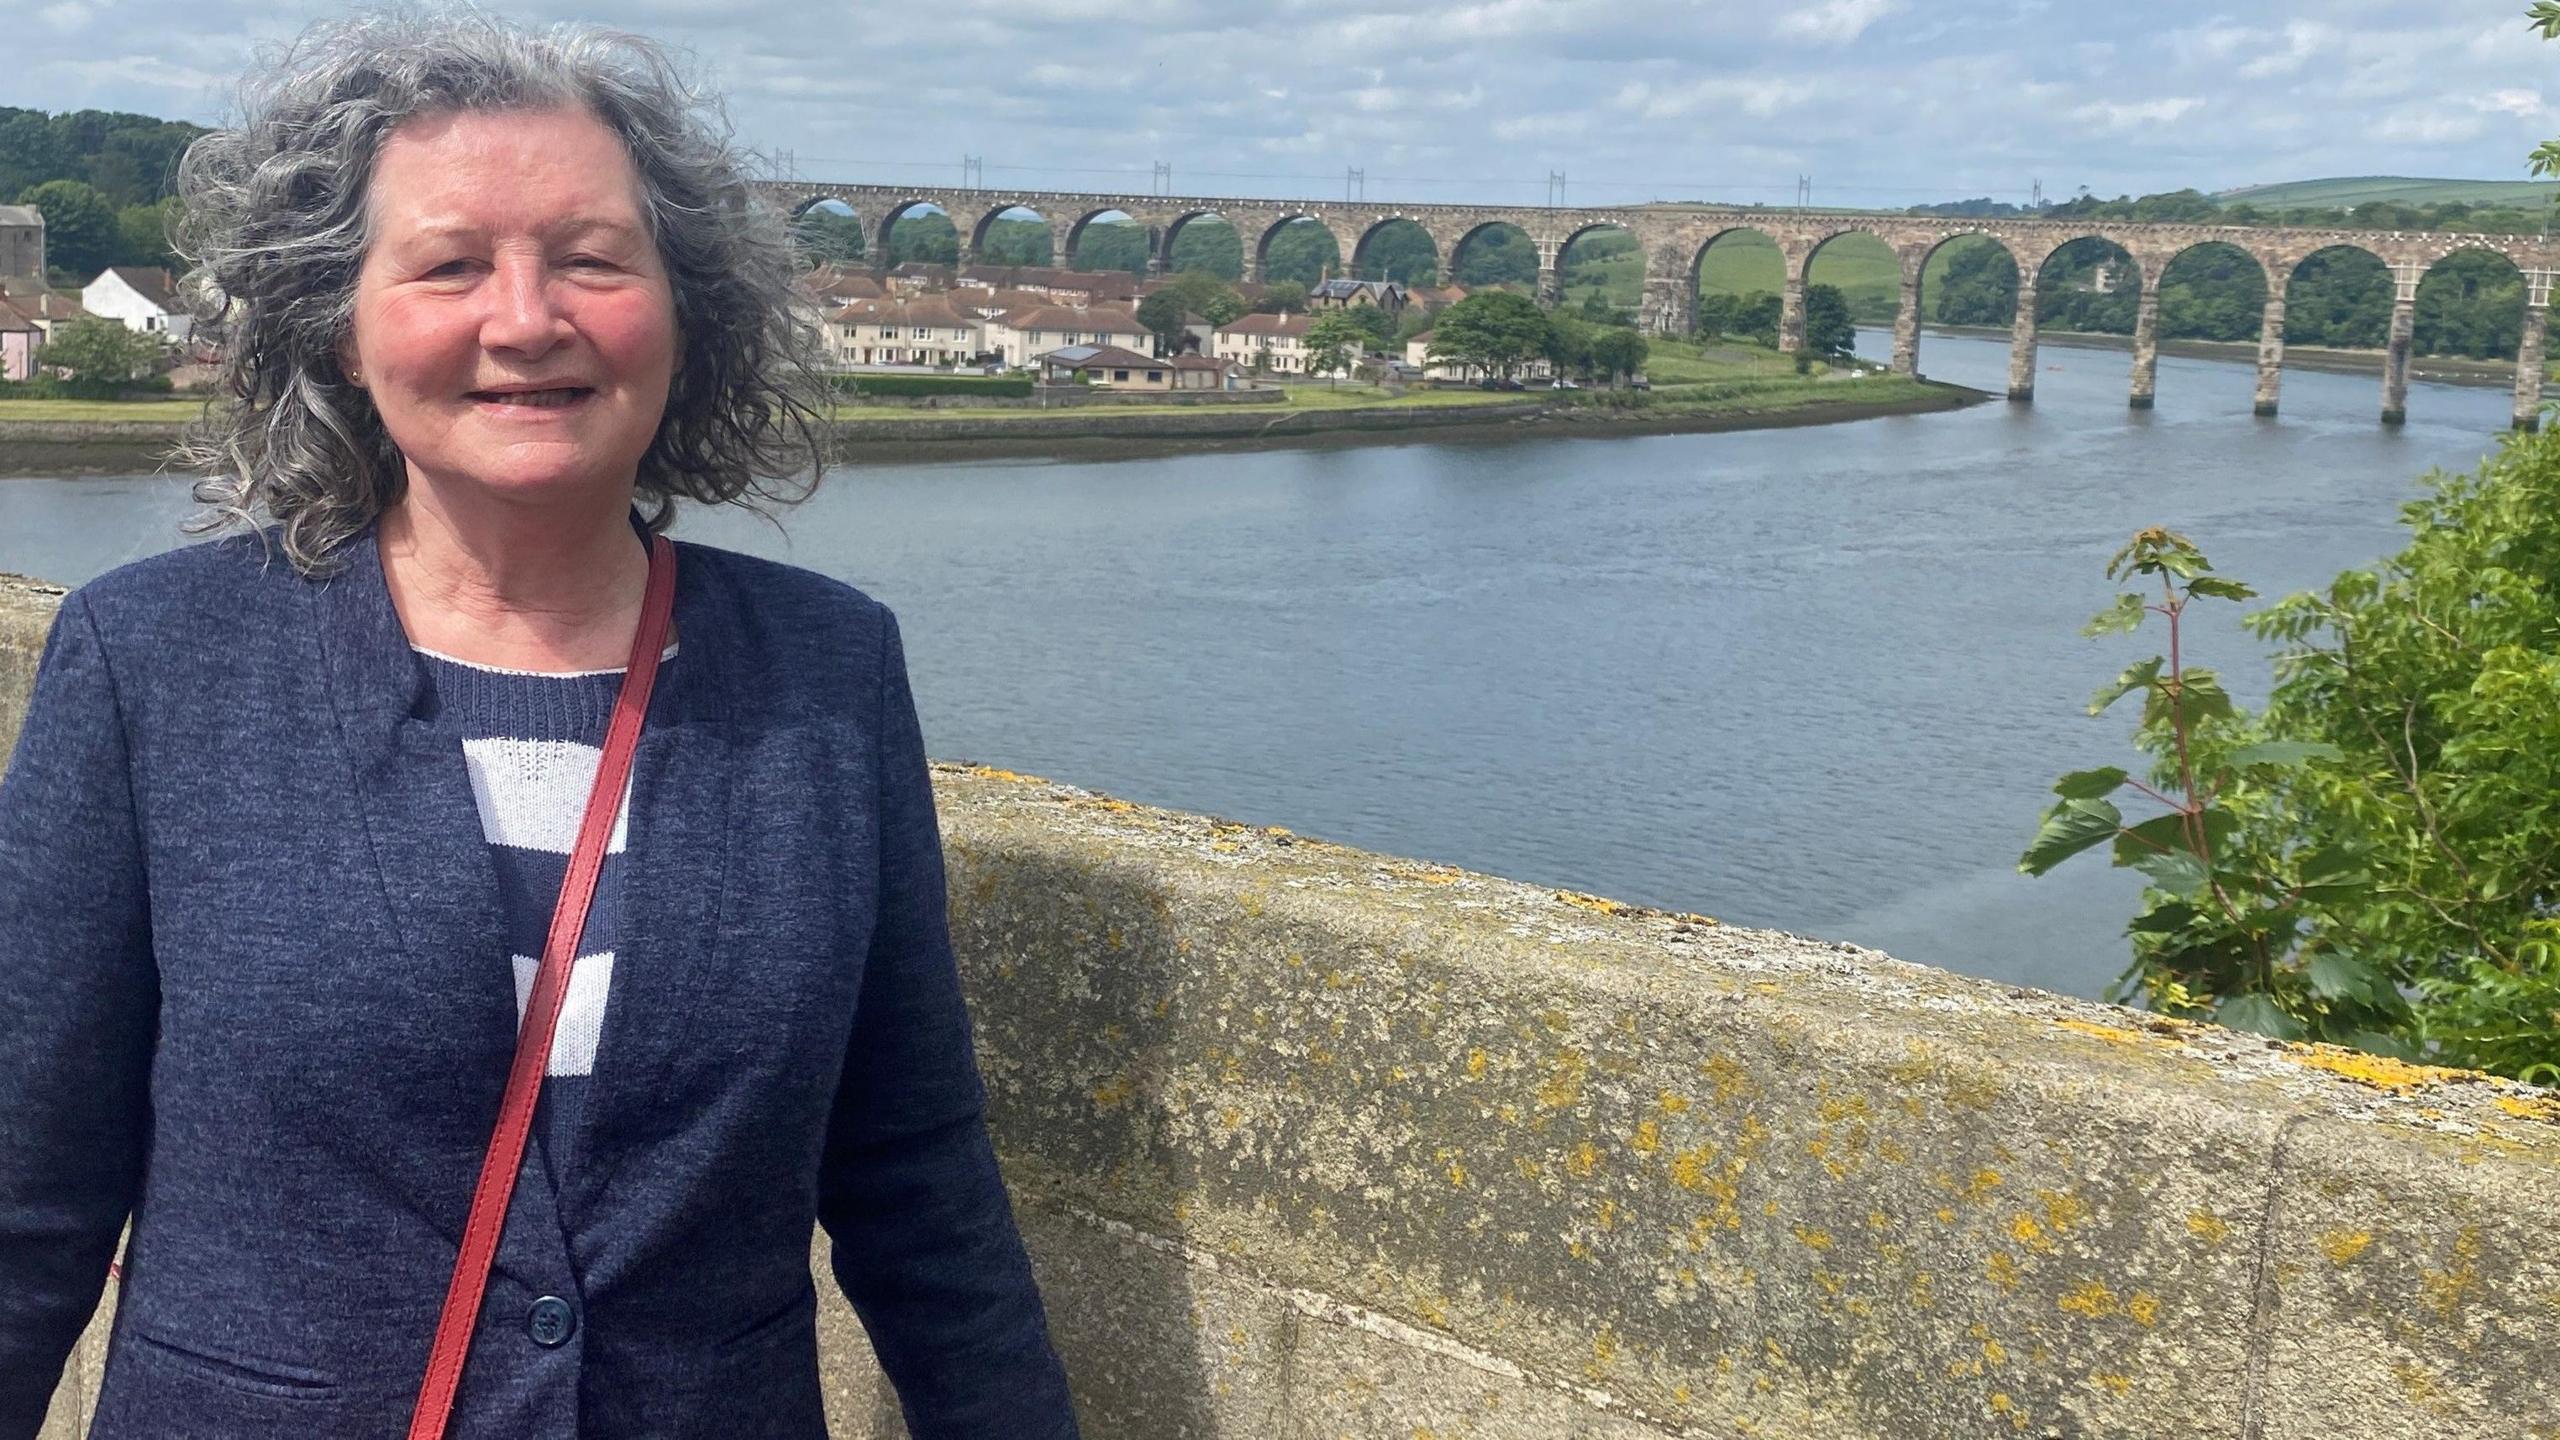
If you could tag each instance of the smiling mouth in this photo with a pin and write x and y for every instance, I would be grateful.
(552, 399)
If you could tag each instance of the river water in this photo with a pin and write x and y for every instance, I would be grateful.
(1815, 679)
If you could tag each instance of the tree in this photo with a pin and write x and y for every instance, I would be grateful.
(1618, 353)
(827, 237)
(1377, 327)
(1165, 316)
(102, 351)
(1282, 297)
(1829, 331)
(145, 232)
(1495, 330)
(1333, 341)
(80, 234)
(1205, 295)
(1568, 346)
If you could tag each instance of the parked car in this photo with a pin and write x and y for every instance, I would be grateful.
(1565, 384)
(1500, 382)
(1638, 382)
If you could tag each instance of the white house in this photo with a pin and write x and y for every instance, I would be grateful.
(1024, 334)
(144, 298)
(922, 331)
(1276, 343)
(1417, 351)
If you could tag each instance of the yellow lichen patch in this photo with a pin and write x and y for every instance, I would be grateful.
(1993, 1352)
(1475, 1063)
(2444, 1290)
(1582, 1160)
(1457, 1175)
(1727, 1075)
(2062, 1209)
(1829, 1281)
(2415, 1382)
(2112, 1034)
(2111, 1383)
(1946, 1214)
(2002, 1270)
(1607, 1218)
(1924, 1292)
(1564, 1079)
(1113, 1092)
(2342, 1246)
(1982, 1182)
(1842, 1107)
(1529, 1169)
(1604, 1355)
(2526, 1107)
(2144, 1307)
(990, 772)
(1590, 902)
(2379, 1071)
(2024, 1229)
(1878, 1220)
(1230, 1118)
(1815, 1239)
(2208, 1227)
(2091, 1298)
(1891, 1150)
(1648, 1138)
(1672, 1102)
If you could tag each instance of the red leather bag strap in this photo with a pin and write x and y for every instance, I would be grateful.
(542, 1009)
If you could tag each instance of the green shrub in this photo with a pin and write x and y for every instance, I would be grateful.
(49, 387)
(1018, 386)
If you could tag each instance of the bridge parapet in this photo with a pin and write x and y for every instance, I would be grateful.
(1308, 1140)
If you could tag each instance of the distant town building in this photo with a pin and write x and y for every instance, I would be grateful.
(1342, 294)
(1106, 365)
(1417, 353)
(145, 298)
(1201, 372)
(22, 248)
(1435, 298)
(1273, 343)
(43, 304)
(1020, 336)
(926, 330)
(19, 341)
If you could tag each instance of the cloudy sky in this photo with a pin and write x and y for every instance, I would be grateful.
(1881, 102)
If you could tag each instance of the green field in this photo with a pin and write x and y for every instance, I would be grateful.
(81, 410)
(2350, 191)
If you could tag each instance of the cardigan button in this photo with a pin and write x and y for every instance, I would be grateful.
(551, 1322)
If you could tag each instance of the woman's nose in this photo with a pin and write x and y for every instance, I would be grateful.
(523, 315)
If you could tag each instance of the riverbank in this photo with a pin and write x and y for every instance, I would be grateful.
(2444, 369)
(1710, 395)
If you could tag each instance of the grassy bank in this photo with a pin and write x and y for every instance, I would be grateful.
(1716, 386)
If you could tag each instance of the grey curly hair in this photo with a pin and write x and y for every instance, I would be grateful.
(276, 220)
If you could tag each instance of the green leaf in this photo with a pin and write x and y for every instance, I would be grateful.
(2122, 618)
(2089, 784)
(2165, 917)
(2280, 752)
(2069, 828)
(2259, 1014)
(2219, 588)
(2175, 871)
(2375, 1042)
(2169, 832)
(2340, 977)
(2135, 677)
(2199, 696)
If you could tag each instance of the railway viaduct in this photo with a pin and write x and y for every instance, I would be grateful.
(1673, 238)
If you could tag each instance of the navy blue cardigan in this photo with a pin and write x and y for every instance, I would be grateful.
(254, 991)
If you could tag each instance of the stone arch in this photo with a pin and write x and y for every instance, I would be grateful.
(1766, 254)
(1013, 210)
(813, 200)
(1082, 227)
(1458, 241)
(1804, 272)
(1362, 258)
(2197, 252)
(889, 218)
(1629, 296)
(2121, 274)
(2353, 284)
(828, 230)
(1181, 221)
(1270, 232)
(2455, 317)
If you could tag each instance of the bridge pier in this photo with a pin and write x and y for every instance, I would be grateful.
(2022, 341)
(2270, 352)
(1550, 272)
(1666, 308)
(2395, 359)
(2537, 316)
(2146, 345)
(1791, 312)
(1906, 325)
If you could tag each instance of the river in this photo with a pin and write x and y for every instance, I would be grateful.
(1814, 679)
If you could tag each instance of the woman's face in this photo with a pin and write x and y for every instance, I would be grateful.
(513, 322)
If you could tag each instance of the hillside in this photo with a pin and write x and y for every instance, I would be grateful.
(2349, 191)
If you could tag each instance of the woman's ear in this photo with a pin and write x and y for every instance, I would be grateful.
(347, 360)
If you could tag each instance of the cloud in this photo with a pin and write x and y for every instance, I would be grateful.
(1834, 22)
(1480, 99)
(2120, 115)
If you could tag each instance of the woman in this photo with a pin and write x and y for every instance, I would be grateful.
(287, 824)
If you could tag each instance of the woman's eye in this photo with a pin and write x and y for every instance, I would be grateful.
(448, 269)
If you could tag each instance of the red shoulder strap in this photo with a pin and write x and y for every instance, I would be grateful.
(542, 1009)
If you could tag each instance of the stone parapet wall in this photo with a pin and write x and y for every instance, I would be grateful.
(1311, 1142)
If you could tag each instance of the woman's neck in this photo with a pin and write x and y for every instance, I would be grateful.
(551, 589)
